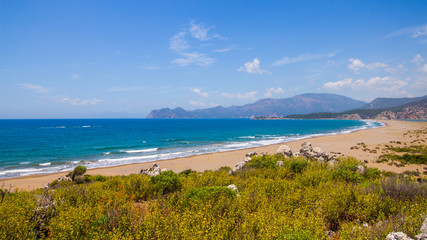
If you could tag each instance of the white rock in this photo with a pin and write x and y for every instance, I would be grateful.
(284, 150)
(397, 236)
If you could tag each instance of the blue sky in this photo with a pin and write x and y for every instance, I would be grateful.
(90, 59)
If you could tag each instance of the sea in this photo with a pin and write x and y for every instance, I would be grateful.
(45, 146)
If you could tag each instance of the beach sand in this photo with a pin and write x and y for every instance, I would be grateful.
(399, 132)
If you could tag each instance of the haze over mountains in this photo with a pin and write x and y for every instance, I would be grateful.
(299, 104)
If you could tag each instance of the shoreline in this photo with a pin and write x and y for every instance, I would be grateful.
(338, 144)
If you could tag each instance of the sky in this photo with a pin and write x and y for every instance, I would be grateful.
(120, 59)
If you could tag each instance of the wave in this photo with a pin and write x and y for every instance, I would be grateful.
(118, 155)
(140, 151)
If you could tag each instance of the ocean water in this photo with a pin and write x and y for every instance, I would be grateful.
(44, 146)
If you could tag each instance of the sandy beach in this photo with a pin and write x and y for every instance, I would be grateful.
(395, 133)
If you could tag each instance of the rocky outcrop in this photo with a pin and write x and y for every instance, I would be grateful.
(285, 150)
(316, 153)
(423, 230)
(403, 236)
(397, 236)
(241, 164)
(154, 171)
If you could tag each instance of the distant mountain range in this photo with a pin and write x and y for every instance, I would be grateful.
(409, 108)
(299, 104)
(390, 102)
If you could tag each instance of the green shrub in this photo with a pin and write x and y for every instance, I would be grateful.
(209, 193)
(166, 182)
(78, 171)
(346, 170)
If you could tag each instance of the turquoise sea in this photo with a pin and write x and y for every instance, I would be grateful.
(53, 145)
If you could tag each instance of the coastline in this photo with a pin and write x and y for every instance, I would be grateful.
(339, 144)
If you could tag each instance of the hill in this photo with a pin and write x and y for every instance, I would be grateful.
(411, 110)
(380, 103)
(299, 104)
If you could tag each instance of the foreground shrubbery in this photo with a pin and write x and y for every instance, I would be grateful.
(298, 200)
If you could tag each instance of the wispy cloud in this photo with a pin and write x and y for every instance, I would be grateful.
(227, 49)
(424, 68)
(180, 45)
(272, 91)
(123, 89)
(74, 76)
(253, 67)
(35, 88)
(248, 95)
(386, 84)
(418, 60)
(199, 92)
(77, 101)
(356, 65)
(193, 58)
(414, 32)
(301, 58)
(152, 67)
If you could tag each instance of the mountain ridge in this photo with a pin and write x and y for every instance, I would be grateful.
(298, 104)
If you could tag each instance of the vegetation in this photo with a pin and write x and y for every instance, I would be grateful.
(295, 199)
(416, 154)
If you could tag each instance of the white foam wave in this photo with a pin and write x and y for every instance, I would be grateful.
(45, 164)
(140, 151)
(24, 163)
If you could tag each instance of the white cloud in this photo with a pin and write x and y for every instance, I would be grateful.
(199, 31)
(195, 57)
(36, 88)
(152, 67)
(199, 92)
(227, 49)
(356, 65)
(418, 59)
(178, 43)
(272, 91)
(74, 76)
(78, 101)
(301, 58)
(123, 89)
(248, 95)
(386, 84)
(424, 68)
(253, 67)
(411, 31)
(348, 82)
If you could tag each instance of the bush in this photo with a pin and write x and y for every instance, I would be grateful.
(209, 193)
(166, 182)
(346, 170)
(78, 171)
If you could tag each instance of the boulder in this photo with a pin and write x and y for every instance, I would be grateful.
(423, 230)
(248, 159)
(361, 169)
(233, 187)
(397, 236)
(284, 150)
(154, 171)
(250, 154)
(279, 163)
(239, 166)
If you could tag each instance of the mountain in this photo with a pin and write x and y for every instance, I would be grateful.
(379, 103)
(411, 110)
(299, 104)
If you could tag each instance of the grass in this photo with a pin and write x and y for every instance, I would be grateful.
(298, 200)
